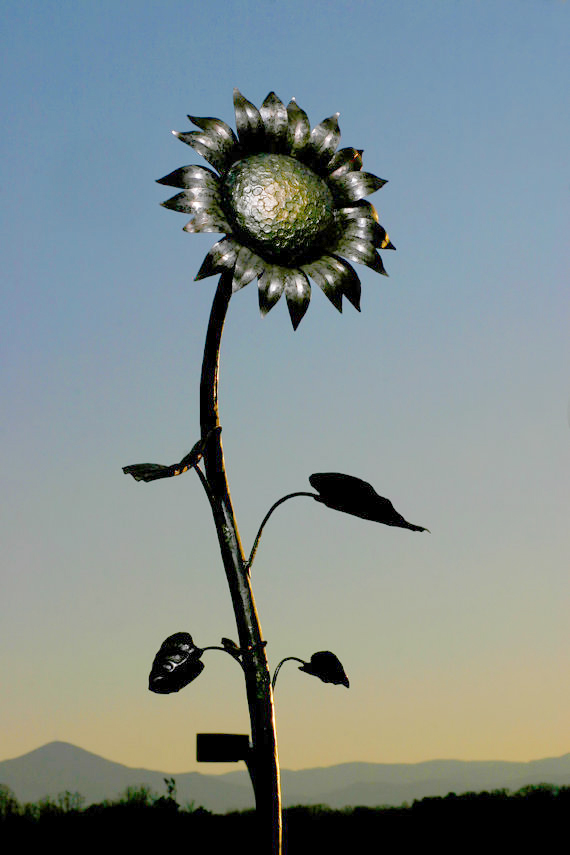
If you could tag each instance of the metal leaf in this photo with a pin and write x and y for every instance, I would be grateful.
(154, 471)
(175, 665)
(147, 471)
(231, 647)
(354, 496)
(327, 667)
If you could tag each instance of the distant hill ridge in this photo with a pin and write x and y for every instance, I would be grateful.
(60, 766)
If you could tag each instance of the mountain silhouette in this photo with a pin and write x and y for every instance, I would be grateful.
(60, 766)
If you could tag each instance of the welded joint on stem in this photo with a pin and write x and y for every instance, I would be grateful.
(204, 481)
(210, 434)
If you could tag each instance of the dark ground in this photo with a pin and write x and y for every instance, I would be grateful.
(497, 820)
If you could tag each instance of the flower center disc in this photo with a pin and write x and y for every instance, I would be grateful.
(280, 208)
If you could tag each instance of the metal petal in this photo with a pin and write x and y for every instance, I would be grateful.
(368, 230)
(327, 280)
(365, 229)
(274, 115)
(208, 221)
(345, 160)
(324, 140)
(298, 295)
(196, 199)
(354, 185)
(361, 251)
(222, 256)
(248, 265)
(191, 176)
(363, 217)
(299, 128)
(346, 278)
(271, 285)
(214, 148)
(202, 191)
(361, 210)
(249, 124)
(215, 127)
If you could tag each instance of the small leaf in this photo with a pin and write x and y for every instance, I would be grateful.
(147, 471)
(153, 471)
(327, 667)
(357, 497)
(175, 665)
(231, 647)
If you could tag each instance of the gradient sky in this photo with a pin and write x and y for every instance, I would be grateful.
(449, 392)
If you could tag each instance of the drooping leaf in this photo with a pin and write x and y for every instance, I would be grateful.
(154, 471)
(354, 496)
(147, 471)
(175, 665)
(327, 667)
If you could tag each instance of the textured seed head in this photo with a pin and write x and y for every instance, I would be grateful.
(279, 207)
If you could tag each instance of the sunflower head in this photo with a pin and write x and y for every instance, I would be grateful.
(291, 206)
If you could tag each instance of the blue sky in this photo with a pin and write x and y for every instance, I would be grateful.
(449, 392)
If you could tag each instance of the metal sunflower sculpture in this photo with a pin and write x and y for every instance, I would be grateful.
(291, 206)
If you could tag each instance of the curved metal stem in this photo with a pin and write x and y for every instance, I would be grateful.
(216, 647)
(235, 657)
(203, 480)
(287, 659)
(264, 762)
(266, 517)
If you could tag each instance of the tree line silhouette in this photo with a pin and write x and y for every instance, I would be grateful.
(142, 817)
